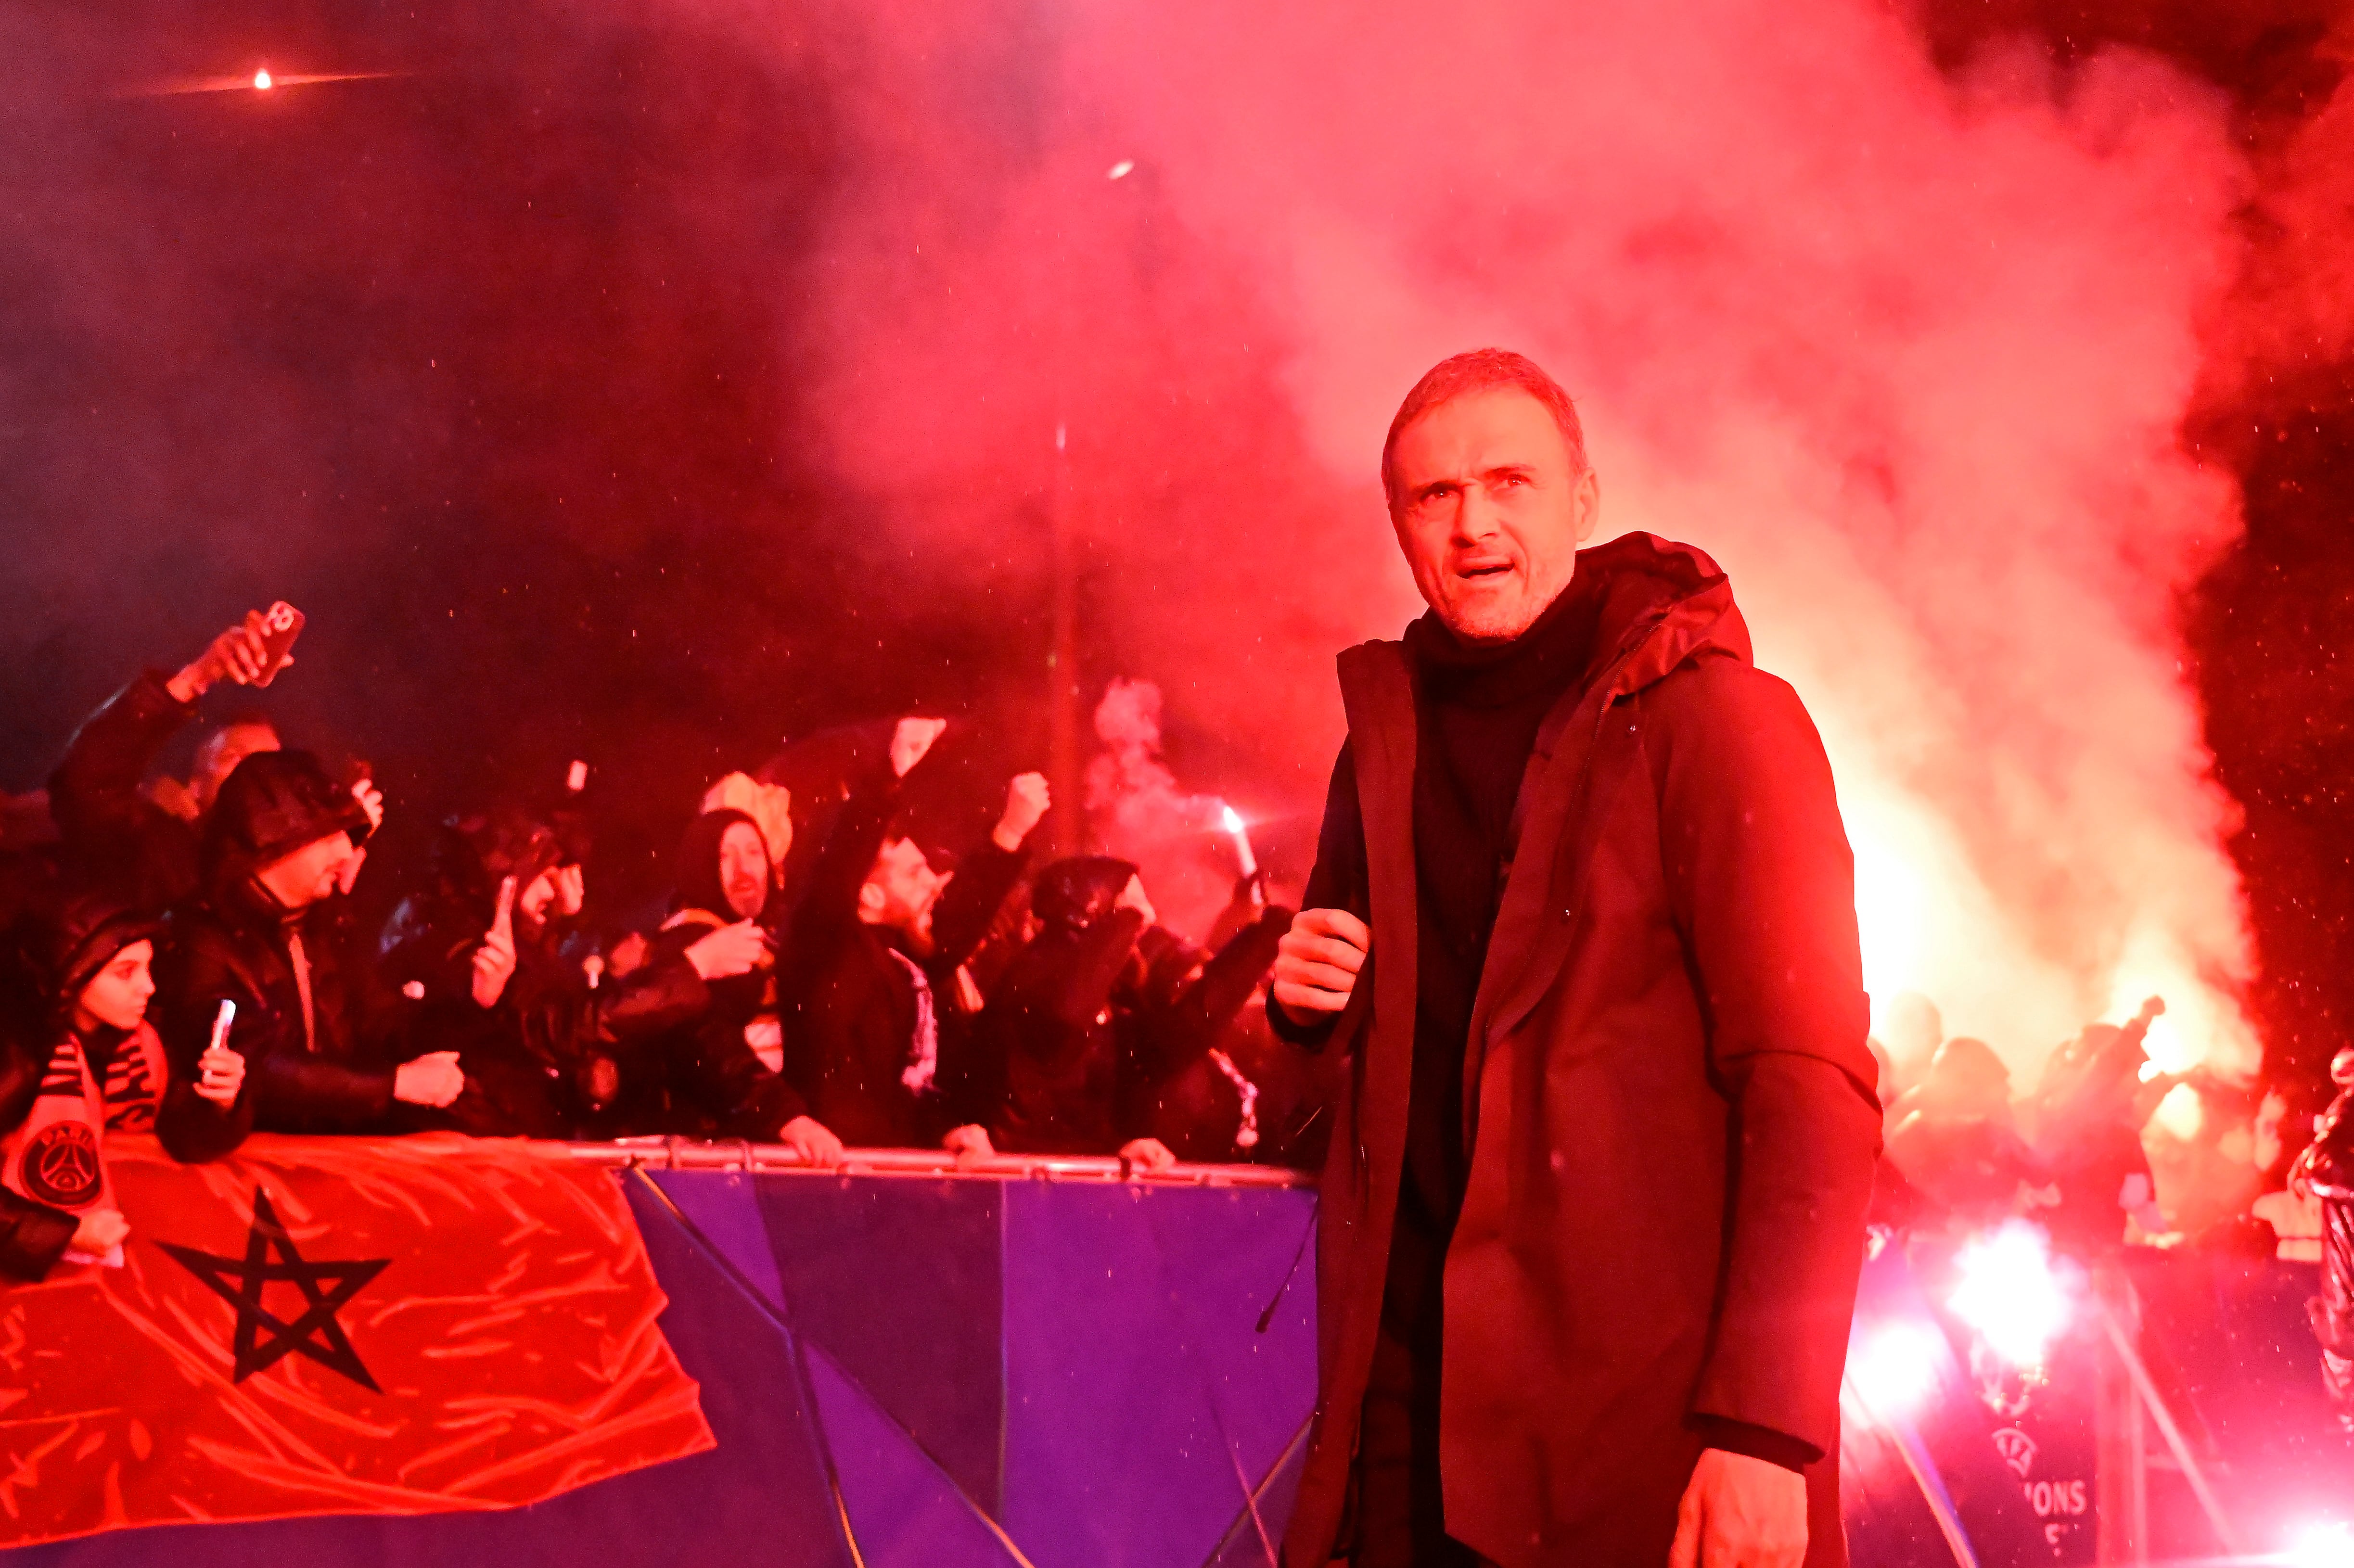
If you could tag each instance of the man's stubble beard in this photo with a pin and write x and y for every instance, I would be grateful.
(1501, 625)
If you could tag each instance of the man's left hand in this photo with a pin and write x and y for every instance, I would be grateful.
(813, 1141)
(971, 1145)
(1740, 1512)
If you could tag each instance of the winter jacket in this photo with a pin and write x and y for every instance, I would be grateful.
(1668, 1100)
(33, 1235)
(321, 1038)
(1051, 1022)
(92, 1085)
(1089, 1041)
(111, 833)
(1174, 1094)
(554, 1057)
(689, 1064)
(854, 1002)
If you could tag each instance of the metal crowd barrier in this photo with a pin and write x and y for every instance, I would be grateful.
(693, 1154)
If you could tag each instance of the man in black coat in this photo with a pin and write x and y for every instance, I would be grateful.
(322, 1042)
(480, 953)
(2326, 1172)
(876, 935)
(113, 831)
(700, 1015)
(1583, 919)
(1103, 1008)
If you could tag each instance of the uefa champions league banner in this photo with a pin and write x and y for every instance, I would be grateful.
(358, 1353)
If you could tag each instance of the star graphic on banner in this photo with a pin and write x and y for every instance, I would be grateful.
(239, 1282)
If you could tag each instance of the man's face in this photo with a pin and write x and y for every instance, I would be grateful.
(117, 995)
(555, 893)
(1491, 511)
(223, 749)
(744, 869)
(901, 890)
(306, 876)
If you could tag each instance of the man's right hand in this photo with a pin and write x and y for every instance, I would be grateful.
(433, 1079)
(911, 740)
(729, 951)
(495, 960)
(1027, 801)
(1133, 897)
(238, 654)
(99, 1232)
(971, 1145)
(1318, 961)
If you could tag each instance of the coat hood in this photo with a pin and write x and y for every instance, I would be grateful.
(1650, 606)
(472, 854)
(54, 953)
(273, 804)
(1073, 895)
(698, 884)
(1662, 605)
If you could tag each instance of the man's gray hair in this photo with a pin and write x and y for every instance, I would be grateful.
(1478, 371)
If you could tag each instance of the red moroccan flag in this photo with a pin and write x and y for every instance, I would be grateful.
(338, 1326)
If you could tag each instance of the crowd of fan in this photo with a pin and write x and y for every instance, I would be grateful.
(1966, 1155)
(192, 967)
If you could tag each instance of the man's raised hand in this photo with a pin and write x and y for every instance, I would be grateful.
(494, 961)
(371, 801)
(238, 654)
(1318, 961)
(1133, 897)
(911, 740)
(1026, 800)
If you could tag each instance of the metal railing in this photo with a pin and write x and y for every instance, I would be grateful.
(692, 1154)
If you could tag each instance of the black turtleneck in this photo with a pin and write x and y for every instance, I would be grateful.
(1478, 709)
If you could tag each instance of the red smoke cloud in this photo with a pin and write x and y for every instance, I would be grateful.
(1908, 352)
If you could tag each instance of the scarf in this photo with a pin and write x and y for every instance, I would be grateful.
(56, 1156)
(924, 1051)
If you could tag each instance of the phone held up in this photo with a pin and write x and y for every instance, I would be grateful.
(282, 623)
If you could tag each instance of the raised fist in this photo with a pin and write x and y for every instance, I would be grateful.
(911, 740)
(1027, 800)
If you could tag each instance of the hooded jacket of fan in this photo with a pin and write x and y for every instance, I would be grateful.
(321, 1039)
(697, 1068)
(553, 1056)
(64, 1089)
(1099, 1012)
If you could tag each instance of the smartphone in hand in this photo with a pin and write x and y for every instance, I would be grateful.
(282, 623)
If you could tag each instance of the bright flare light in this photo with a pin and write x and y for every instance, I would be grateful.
(2010, 1295)
(1122, 169)
(262, 80)
(2180, 1114)
(1895, 1371)
(2323, 1546)
(1892, 901)
(1232, 820)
